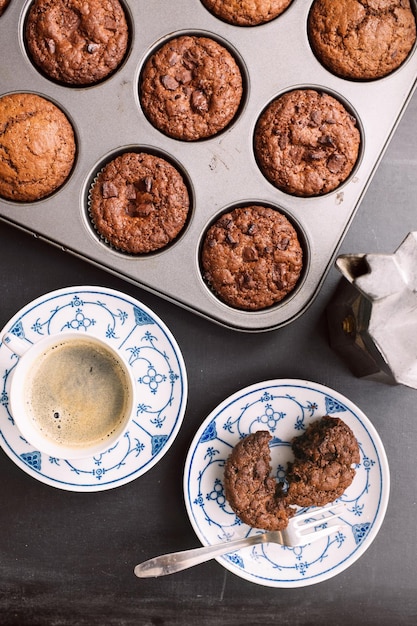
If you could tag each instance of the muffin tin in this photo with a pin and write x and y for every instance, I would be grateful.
(221, 171)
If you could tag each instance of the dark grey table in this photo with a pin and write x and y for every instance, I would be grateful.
(68, 558)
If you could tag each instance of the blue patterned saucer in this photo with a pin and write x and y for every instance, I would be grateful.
(160, 375)
(285, 408)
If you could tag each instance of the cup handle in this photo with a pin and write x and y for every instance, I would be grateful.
(16, 345)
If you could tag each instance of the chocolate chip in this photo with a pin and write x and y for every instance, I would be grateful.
(315, 117)
(249, 254)
(230, 239)
(227, 222)
(92, 47)
(278, 275)
(140, 209)
(189, 61)
(169, 82)
(326, 140)
(199, 101)
(172, 57)
(252, 228)
(315, 155)
(109, 190)
(144, 209)
(283, 243)
(184, 76)
(335, 163)
(147, 182)
(110, 24)
(246, 281)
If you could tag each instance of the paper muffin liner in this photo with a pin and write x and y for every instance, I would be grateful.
(92, 222)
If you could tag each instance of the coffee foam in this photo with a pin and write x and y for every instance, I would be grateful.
(77, 394)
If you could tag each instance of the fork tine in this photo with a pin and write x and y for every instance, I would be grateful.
(335, 509)
(305, 529)
(316, 524)
(319, 534)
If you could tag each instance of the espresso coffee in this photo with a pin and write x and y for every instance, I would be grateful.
(77, 394)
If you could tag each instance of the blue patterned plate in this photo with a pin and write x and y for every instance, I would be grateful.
(160, 377)
(285, 408)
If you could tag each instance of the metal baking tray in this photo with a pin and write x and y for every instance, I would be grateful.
(221, 171)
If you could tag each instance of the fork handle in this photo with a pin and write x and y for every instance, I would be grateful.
(177, 561)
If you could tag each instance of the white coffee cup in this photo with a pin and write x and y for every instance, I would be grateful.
(72, 395)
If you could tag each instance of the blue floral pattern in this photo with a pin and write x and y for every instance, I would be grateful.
(159, 371)
(285, 408)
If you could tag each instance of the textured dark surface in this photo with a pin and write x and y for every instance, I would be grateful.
(68, 558)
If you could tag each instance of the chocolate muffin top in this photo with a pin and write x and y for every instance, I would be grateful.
(320, 473)
(191, 88)
(323, 467)
(362, 39)
(325, 440)
(246, 12)
(37, 147)
(251, 491)
(139, 202)
(251, 257)
(306, 143)
(77, 42)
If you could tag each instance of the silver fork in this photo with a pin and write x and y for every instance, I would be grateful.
(303, 528)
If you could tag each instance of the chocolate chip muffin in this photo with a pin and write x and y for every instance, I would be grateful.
(191, 88)
(246, 12)
(322, 469)
(306, 143)
(251, 257)
(254, 495)
(37, 147)
(320, 473)
(362, 40)
(139, 203)
(77, 42)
